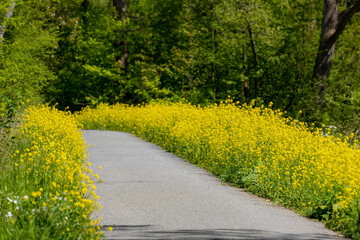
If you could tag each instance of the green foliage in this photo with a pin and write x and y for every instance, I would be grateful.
(203, 51)
(84, 59)
(24, 58)
(343, 97)
(290, 51)
(88, 60)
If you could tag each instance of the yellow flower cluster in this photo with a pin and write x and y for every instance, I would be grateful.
(253, 147)
(50, 170)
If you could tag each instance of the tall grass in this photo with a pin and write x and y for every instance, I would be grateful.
(252, 147)
(6, 143)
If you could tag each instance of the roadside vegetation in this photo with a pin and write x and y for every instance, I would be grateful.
(46, 189)
(298, 54)
(299, 166)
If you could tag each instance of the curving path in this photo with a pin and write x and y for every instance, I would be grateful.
(148, 193)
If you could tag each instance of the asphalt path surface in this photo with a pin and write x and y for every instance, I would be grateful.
(149, 193)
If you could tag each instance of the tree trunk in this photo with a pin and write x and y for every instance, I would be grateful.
(84, 9)
(333, 24)
(213, 63)
(121, 10)
(9, 13)
(325, 52)
(255, 59)
(245, 83)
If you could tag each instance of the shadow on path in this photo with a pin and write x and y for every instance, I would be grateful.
(151, 232)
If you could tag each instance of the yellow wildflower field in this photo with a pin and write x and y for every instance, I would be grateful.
(252, 147)
(46, 192)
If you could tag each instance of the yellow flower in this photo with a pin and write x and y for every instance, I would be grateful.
(84, 190)
(36, 194)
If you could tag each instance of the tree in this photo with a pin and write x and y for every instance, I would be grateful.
(343, 93)
(85, 61)
(25, 54)
(287, 56)
(121, 7)
(333, 24)
(153, 31)
(194, 59)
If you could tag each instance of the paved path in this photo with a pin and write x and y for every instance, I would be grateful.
(148, 193)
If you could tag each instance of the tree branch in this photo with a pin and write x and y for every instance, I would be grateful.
(344, 18)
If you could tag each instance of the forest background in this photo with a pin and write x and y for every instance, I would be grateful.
(82, 52)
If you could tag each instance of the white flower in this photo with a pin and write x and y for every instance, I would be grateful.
(9, 214)
(26, 197)
(15, 201)
(17, 207)
(10, 200)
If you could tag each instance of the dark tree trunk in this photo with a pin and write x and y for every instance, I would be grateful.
(121, 11)
(326, 47)
(9, 13)
(84, 9)
(213, 64)
(333, 24)
(121, 8)
(245, 83)
(255, 59)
